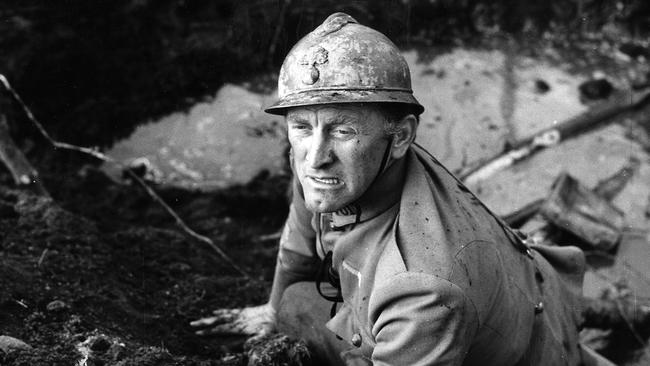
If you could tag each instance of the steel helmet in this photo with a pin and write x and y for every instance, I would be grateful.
(343, 61)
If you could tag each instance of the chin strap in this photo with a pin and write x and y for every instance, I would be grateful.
(327, 272)
(354, 207)
(384, 161)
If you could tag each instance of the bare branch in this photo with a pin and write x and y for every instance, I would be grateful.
(99, 155)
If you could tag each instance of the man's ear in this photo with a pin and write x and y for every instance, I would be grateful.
(404, 136)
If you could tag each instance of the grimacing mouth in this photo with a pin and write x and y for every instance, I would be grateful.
(326, 180)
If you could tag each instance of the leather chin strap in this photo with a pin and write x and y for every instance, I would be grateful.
(383, 166)
(384, 160)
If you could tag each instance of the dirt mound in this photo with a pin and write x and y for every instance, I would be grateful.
(114, 290)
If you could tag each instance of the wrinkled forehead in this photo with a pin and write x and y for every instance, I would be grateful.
(341, 113)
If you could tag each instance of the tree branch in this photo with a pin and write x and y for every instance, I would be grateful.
(99, 155)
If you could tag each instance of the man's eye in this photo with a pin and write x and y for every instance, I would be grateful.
(343, 132)
(298, 127)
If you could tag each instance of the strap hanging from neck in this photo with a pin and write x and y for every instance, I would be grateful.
(325, 271)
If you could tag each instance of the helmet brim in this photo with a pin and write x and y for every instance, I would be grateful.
(319, 97)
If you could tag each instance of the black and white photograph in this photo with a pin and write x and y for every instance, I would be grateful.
(336, 183)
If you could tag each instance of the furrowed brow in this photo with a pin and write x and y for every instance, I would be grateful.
(343, 119)
(296, 119)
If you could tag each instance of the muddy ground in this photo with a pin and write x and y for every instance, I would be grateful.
(102, 260)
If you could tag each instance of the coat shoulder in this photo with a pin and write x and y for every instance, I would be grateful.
(400, 258)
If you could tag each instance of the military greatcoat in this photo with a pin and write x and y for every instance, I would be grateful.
(429, 276)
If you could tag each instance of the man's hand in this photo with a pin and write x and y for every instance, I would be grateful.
(253, 321)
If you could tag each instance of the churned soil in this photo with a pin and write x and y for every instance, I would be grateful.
(100, 275)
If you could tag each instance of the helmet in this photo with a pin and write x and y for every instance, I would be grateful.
(342, 61)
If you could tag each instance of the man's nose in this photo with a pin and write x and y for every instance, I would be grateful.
(320, 152)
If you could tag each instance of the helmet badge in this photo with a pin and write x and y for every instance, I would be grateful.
(314, 57)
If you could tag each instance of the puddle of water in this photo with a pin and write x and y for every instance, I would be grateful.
(230, 139)
(466, 114)
(227, 140)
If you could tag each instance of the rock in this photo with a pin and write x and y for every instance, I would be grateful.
(144, 169)
(100, 344)
(598, 88)
(56, 306)
(541, 86)
(8, 344)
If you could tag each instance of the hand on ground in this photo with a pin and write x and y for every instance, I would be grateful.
(252, 321)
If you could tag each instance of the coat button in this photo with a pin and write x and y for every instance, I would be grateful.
(356, 340)
(529, 253)
(539, 307)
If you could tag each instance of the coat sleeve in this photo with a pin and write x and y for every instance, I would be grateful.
(421, 319)
(297, 259)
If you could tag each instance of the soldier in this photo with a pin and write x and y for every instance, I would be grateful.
(386, 258)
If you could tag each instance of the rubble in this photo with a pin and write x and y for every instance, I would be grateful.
(8, 344)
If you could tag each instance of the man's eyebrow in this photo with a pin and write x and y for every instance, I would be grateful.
(343, 119)
(296, 119)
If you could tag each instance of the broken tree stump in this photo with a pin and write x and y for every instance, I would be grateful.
(24, 175)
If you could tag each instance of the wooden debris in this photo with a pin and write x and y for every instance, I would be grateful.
(595, 117)
(575, 208)
(611, 186)
(518, 218)
(615, 314)
(608, 188)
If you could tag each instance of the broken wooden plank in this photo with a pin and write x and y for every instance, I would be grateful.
(607, 188)
(621, 102)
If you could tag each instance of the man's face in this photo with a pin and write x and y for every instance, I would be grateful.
(337, 152)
